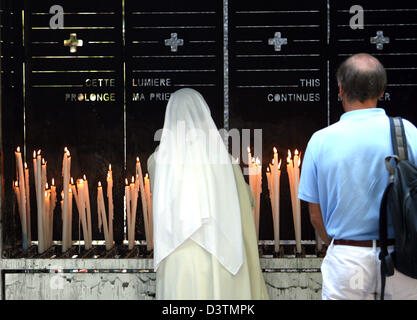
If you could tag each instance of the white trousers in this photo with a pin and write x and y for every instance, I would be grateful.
(353, 273)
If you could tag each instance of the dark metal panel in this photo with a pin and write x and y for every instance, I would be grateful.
(398, 22)
(12, 112)
(65, 109)
(264, 80)
(198, 64)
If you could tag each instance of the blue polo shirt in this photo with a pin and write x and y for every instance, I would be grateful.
(344, 171)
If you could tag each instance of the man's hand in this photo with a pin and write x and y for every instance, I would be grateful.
(316, 219)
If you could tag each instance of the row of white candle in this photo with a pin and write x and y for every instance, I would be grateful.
(139, 185)
(273, 174)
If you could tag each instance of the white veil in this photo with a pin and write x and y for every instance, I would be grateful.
(195, 193)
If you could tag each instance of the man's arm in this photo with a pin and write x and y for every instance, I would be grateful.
(316, 219)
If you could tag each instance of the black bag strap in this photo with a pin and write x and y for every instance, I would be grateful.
(399, 146)
(398, 138)
(387, 265)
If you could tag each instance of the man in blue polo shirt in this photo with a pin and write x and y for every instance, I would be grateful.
(343, 178)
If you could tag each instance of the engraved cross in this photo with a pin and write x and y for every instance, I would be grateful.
(379, 40)
(277, 41)
(174, 42)
(73, 43)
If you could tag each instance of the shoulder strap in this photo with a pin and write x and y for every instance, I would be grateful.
(398, 138)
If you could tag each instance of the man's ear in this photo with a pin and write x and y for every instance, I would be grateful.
(340, 90)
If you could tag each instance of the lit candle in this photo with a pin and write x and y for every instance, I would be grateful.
(110, 200)
(291, 178)
(87, 205)
(53, 204)
(17, 194)
(277, 176)
(65, 206)
(258, 190)
(70, 218)
(143, 198)
(250, 171)
(22, 196)
(127, 199)
(150, 214)
(47, 201)
(81, 210)
(102, 212)
(296, 164)
(293, 175)
(133, 207)
(40, 204)
(27, 189)
(45, 209)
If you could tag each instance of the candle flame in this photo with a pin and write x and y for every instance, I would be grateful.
(237, 160)
(296, 152)
(72, 180)
(65, 150)
(26, 165)
(127, 182)
(39, 152)
(70, 190)
(43, 161)
(18, 150)
(279, 164)
(299, 162)
(133, 179)
(288, 159)
(289, 153)
(253, 160)
(16, 184)
(46, 194)
(248, 150)
(34, 154)
(137, 159)
(84, 177)
(68, 153)
(99, 184)
(53, 181)
(146, 176)
(275, 150)
(258, 162)
(267, 169)
(110, 167)
(46, 185)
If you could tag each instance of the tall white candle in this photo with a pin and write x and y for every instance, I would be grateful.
(102, 211)
(22, 196)
(150, 213)
(40, 202)
(81, 210)
(27, 189)
(88, 209)
(133, 207)
(128, 212)
(144, 206)
(53, 205)
(65, 214)
(110, 201)
(70, 218)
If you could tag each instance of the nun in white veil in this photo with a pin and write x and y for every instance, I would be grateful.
(204, 233)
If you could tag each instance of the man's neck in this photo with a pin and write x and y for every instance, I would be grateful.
(357, 105)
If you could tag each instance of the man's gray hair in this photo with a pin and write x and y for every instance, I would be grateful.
(362, 77)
